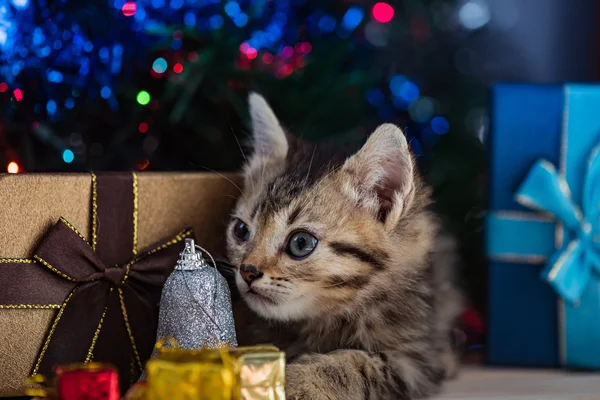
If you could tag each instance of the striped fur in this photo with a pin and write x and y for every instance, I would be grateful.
(369, 314)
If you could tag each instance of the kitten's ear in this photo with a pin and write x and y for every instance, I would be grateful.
(269, 142)
(381, 174)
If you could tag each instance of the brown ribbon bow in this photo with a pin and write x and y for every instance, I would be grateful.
(109, 293)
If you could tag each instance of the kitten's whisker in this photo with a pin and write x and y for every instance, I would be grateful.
(243, 154)
(233, 197)
(338, 283)
(311, 161)
(222, 176)
(334, 170)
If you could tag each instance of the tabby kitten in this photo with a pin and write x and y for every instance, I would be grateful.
(335, 263)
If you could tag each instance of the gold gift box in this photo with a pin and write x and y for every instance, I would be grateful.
(244, 373)
(32, 203)
(260, 371)
(188, 375)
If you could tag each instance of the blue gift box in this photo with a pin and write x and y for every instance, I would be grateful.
(543, 228)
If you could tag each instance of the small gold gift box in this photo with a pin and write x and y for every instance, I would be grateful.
(260, 373)
(178, 374)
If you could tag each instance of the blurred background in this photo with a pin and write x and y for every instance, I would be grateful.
(161, 84)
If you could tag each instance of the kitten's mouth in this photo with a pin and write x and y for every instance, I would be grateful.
(259, 296)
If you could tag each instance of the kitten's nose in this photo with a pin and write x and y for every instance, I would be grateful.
(250, 273)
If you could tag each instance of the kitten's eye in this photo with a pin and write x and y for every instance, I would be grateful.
(240, 230)
(301, 244)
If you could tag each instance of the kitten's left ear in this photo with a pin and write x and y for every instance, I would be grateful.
(268, 135)
(381, 174)
(269, 141)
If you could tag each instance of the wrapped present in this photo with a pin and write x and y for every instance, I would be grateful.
(89, 381)
(86, 288)
(137, 392)
(92, 381)
(543, 230)
(244, 373)
(181, 374)
(259, 372)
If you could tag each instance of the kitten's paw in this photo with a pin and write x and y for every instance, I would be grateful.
(302, 383)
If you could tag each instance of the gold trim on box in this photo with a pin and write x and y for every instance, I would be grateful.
(94, 211)
(68, 224)
(44, 262)
(135, 213)
(90, 353)
(30, 306)
(52, 329)
(25, 306)
(129, 331)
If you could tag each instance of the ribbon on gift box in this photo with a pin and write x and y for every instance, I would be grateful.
(570, 269)
(108, 292)
(560, 235)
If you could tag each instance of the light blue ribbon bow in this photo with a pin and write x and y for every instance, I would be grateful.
(569, 269)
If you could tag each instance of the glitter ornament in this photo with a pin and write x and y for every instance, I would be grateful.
(195, 306)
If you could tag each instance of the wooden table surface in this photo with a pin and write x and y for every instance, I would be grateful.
(484, 383)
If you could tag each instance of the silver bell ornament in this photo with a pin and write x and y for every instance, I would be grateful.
(195, 305)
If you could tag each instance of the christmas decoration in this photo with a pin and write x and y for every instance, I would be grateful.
(519, 240)
(93, 381)
(189, 375)
(244, 373)
(260, 373)
(137, 392)
(195, 306)
(72, 296)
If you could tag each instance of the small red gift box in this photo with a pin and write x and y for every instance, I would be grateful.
(92, 381)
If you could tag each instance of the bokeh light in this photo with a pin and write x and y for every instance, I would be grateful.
(159, 65)
(327, 24)
(18, 94)
(287, 52)
(178, 68)
(440, 125)
(129, 9)
(267, 58)
(143, 97)
(55, 76)
(474, 14)
(12, 168)
(352, 18)
(68, 156)
(421, 110)
(51, 107)
(143, 127)
(383, 12)
(402, 87)
(105, 92)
